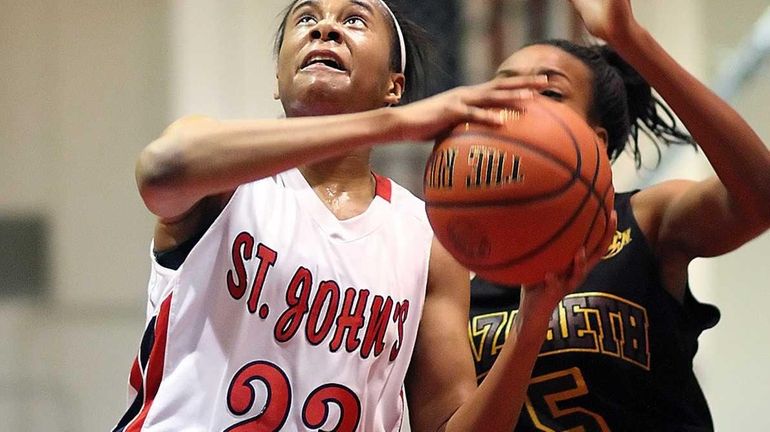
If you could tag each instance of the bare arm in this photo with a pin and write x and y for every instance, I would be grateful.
(692, 219)
(441, 384)
(441, 374)
(198, 157)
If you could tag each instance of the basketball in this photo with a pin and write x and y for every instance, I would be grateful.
(514, 202)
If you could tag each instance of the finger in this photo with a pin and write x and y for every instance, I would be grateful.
(579, 269)
(482, 116)
(613, 225)
(494, 109)
(551, 281)
(609, 234)
(519, 82)
(499, 98)
(534, 286)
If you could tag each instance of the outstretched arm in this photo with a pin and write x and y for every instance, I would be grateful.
(198, 157)
(692, 219)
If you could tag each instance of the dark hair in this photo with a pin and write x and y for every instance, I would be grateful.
(623, 102)
(418, 54)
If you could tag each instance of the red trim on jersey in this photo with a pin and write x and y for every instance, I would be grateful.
(135, 378)
(154, 372)
(382, 187)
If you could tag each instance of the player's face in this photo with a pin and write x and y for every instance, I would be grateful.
(335, 58)
(570, 81)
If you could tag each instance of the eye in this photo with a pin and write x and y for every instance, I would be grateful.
(306, 19)
(355, 21)
(552, 94)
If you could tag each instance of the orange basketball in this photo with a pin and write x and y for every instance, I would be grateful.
(515, 202)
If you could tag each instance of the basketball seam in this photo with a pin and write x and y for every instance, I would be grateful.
(591, 191)
(541, 197)
(599, 208)
(574, 175)
(599, 161)
(536, 250)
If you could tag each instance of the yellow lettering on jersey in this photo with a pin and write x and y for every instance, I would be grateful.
(481, 327)
(602, 323)
(619, 241)
(591, 322)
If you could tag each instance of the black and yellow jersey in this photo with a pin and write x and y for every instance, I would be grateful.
(618, 352)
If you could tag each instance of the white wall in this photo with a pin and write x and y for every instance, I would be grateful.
(733, 366)
(85, 84)
(222, 57)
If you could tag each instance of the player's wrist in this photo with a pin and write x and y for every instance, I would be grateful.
(531, 322)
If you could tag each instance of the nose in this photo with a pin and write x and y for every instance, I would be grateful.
(325, 31)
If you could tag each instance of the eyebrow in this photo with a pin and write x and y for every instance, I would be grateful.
(360, 3)
(364, 5)
(546, 71)
(302, 4)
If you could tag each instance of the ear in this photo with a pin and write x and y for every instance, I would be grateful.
(603, 136)
(276, 91)
(395, 89)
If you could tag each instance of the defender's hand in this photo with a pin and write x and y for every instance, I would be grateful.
(610, 20)
(547, 294)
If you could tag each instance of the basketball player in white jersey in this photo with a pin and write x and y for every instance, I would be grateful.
(293, 289)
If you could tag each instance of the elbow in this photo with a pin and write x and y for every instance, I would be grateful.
(754, 215)
(161, 164)
(763, 217)
(754, 205)
(166, 167)
(159, 170)
(763, 206)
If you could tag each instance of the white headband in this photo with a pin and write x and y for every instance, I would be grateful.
(401, 41)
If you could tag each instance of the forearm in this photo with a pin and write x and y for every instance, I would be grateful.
(195, 159)
(737, 154)
(496, 404)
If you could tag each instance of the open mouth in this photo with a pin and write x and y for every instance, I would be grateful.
(323, 60)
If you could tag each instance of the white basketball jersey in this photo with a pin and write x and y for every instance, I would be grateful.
(283, 317)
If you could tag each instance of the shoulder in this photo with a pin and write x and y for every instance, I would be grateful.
(650, 205)
(270, 188)
(169, 234)
(444, 272)
(408, 204)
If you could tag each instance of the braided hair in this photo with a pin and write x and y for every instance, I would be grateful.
(623, 102)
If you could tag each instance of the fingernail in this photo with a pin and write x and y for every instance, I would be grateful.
(541, 79)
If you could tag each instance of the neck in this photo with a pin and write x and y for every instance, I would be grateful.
(351, 171)
(327, 106)
(344, 184)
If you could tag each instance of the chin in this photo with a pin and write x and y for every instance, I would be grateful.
(315, 105)
(321, 97)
